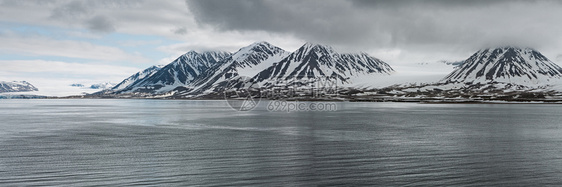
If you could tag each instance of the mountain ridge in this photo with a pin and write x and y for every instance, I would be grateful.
(506, 64)
(487, 70)
(185, 69)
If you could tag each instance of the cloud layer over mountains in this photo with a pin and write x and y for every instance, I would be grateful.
(425, 25)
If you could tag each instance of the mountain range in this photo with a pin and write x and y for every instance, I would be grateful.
(194, 73)
(197, 74)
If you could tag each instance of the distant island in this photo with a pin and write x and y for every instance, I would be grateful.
(16, 86)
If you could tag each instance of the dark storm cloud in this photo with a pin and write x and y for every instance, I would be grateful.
(311, 19)
(422, 25)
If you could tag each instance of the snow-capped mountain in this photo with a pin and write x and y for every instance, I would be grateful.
(506, 65)
(313, 61)
(137, 76)
(180, 72)
(507, 73)
(200, 73)
(16, 86)
(248, 61)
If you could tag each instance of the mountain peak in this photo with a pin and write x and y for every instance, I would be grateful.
(205, 56)
(508, 50)
(191, 52)
(316, 48)
(311, 45)
(257, 47)
(512, 47)
(508, 65)
(260, 43)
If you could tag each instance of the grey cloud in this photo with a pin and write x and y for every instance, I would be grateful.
(14, 3)
(441, 3)
(299, 17)
(100, 24)
(72, 10)
(180, 31)
(412, 25)
(86, 12)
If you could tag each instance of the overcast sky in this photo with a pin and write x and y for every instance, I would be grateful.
(67, 41)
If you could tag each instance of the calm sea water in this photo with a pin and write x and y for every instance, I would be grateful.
(205, 143)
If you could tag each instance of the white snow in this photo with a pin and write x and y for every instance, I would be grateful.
(405, 74)
(254, 70)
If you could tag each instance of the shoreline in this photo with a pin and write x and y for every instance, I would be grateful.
(358, 100)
